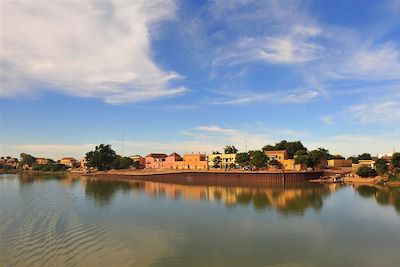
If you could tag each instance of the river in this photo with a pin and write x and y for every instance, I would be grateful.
(66, 220)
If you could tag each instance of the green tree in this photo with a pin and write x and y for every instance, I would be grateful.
(396, 160)
(122, 162)
(381, 166)
(274, 162)
(366, 171)
(336, 157)
(315, 157)
(364, 156)
(258, 159)
(268, 148)
(27, 159)
(301, 159)
(243, 159)
(216, 153)
(102, 157)
(230, 150)
(353, 159)
(217, 162)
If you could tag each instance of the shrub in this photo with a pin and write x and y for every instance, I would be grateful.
(366, 171)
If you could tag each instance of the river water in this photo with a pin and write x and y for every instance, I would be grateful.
(52, 220)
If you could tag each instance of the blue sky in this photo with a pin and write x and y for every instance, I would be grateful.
(194, 76)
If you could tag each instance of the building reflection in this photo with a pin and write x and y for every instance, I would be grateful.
(289, 199)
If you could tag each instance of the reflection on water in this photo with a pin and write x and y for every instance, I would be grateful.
(66, 220)
(290, 200)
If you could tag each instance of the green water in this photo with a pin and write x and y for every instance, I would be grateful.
(74, 221)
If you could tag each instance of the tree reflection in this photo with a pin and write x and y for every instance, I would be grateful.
(382, 195)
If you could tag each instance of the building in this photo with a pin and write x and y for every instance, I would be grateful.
(228, 161)
(364, 162)
(12, 162)
(173, 161)
(278, 155)
(84, 163)
(194, 161)
(68, 161)
(335, 163)
(155, 161)
(42, 161)
(140, 159)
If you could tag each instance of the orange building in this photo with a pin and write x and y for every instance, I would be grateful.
(282, 157)
(339, 163)
(155, 160)
(195, 162)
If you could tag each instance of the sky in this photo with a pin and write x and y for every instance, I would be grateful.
(193, 76)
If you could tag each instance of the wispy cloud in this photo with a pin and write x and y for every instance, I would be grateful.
(248, 97)
(84, 48)
(384, 112)
(293, 47)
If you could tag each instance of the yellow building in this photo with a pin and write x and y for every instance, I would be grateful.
(339, 163)
(228, 161)
(68, 161)
(282, 157)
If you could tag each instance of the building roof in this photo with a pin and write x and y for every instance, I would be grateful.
(174, 155)
(157, 155)
(40, 158)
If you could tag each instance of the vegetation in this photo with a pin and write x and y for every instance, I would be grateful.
(122, 163)
(102, 157)
(243, 159)
(366, 171)
(230, 150)
(396, 160)
(217, 162)
(27, 159)
(290, 147)
(363, 156)
(54, 167)
(258, 159)
(381, 166)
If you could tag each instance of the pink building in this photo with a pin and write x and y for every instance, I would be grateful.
(155, 160)
(162, 161)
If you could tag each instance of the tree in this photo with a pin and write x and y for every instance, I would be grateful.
(217, 162)
(315, 157)
(381, 166)
(230, 150)
(27, 159)
(274, 163)
(102, 157)
(290, 147)
(366, 171)
(353, 159)
(336, 157)
(396, 160)
(268, 148)
(364, 156)
(243, 159)
(122, 162)
(216, 153)
(258, 159)
(301, 159)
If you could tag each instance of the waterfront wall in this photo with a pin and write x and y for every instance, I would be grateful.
(223, 178)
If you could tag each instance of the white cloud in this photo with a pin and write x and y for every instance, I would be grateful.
(284, 96)
(84, 48)
(327, 120)
(293, 47)
(371, 62)
(217, 129)
(350, 144)
(384, 112)
(54, 151)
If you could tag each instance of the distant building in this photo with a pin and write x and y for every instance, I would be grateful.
(12, 162)
(140, 159)
(228, 161)
(364, 162)
(42, 161)
(68, 161)
(282, 157)
(84, 164)
(339, 163)
(155, 160)
(194, 161)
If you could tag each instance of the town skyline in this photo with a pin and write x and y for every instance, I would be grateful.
(193, 77)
